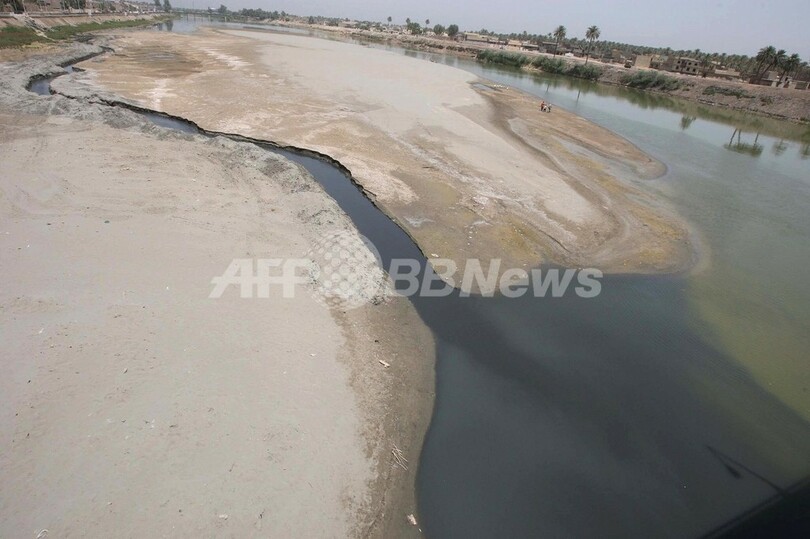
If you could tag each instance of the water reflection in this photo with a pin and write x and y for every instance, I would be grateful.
(780, 147)
(753, 149)
(686, 121)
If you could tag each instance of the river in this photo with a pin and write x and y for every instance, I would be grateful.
(666, 406)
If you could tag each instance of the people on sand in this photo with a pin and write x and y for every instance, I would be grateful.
(544, 107)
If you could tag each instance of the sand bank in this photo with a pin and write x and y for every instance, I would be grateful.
(132, 404)
(467, 168)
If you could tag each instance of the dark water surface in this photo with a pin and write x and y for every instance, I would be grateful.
(667, 405)
(588, 417)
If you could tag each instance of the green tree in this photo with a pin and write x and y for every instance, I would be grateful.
(452, 30)
(438, 29)
(167, 6)
(414, 28)
(223, 9)
(427, 24)
(559, 35)
(592, 34)
(788, 64)
(389, 20)
(765, 58)
(158, 4)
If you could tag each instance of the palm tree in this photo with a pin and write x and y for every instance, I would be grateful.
(592, 34)
(559, 35)
(788, 64)
(765, 60)
(389, 22)
(427, 25)
(799, 68)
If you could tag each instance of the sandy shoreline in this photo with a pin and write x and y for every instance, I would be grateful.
(470, 170)
(133, 405)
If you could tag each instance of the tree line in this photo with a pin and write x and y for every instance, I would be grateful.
(767, 59)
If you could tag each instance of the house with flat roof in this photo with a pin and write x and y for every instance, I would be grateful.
(726, 74)
(692, 66)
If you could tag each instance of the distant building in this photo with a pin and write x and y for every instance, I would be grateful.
(476, 38)
(772, 79)
(659, 62)
(547, 47)
(614, 56)
(643, 60)
(687, 66)
(769, 78)
(726, 74)
(480, 38)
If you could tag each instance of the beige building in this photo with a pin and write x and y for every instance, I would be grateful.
(643, 60)
(726, 74)
(687, 66)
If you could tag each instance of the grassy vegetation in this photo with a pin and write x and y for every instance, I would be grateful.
(549, 65)
(18, 36)
(739, 93)
(582, 71)
(651, 80)
(513, 59)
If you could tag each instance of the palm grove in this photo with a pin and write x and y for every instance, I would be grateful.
(751, 67)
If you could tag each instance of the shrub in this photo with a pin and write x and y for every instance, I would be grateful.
(18, 36)
(65, 32)
(736, 92)
(550, 65)
(583, 71)
(502, 57)
(651, 80)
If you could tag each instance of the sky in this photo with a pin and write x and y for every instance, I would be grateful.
(734, 27)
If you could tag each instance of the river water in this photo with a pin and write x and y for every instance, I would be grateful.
(667, 405)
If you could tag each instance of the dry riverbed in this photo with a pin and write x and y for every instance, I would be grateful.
(469, 169)
(132, 405)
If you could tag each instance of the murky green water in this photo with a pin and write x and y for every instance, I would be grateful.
(744, 183)
(722, 354)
